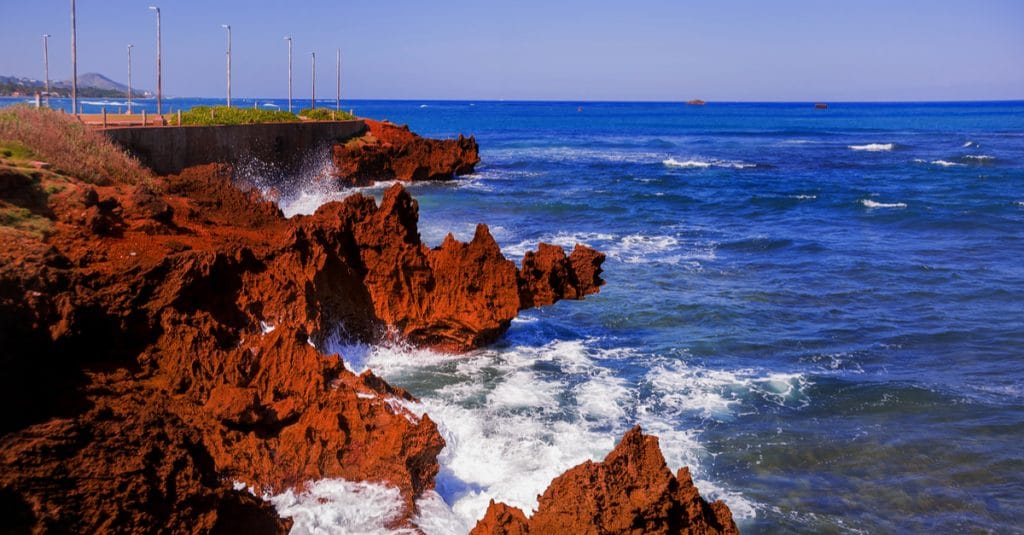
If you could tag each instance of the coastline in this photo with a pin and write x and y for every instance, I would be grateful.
(204, 313)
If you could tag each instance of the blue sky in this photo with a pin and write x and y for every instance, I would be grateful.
(530, 49)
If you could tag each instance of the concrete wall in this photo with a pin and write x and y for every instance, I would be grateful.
(169, 149)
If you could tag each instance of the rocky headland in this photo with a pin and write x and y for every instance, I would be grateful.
(386, 151)
(165, 346)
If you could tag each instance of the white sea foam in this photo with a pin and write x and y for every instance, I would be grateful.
(979, 157)
(1019, 203)
(944, 163)
(105, 102)
(514, 419)
(873, 147)
(704, 164)
(805, 197)
(565, 154)
(630, 248)
(969, 144)
(336, 506)
(868, 203)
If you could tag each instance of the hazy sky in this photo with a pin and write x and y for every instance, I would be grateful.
(535, 49)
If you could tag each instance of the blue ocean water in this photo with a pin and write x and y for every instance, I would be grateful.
(821, 312)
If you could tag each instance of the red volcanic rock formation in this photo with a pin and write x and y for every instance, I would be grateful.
(159, 345)
(548, 275)
(390, 152)
(631, 491)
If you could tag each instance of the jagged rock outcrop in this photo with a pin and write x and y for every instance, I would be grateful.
(390, 152)
(630, 491)
(159, 343)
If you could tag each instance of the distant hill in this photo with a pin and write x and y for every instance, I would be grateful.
(90, 85)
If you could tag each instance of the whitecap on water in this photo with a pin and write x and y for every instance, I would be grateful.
(704, 164)
(873, 147)
(868, 203)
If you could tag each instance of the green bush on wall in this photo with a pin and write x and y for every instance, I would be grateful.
(326, 114)
(214, 115)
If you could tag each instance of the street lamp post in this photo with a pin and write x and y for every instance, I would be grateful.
(228, 28)
(130, 78)
(159, 67)
(46, 67)
(289, 39)
(74, 63)
(337, 103)
(312, 100)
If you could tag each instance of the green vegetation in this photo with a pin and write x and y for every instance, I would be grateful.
(324, 114)
(219, 115)
(15, 150)
(69, 146)
(23, 219)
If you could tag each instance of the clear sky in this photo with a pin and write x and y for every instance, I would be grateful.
(543, 49)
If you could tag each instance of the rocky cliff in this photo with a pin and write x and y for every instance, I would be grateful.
(164, 347)
(390, 152)
(161, 339)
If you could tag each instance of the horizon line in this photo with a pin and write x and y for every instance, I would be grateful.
(561, 100)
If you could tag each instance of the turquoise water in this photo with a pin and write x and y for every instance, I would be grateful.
(820, 311)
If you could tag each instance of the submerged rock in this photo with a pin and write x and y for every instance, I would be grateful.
(630, 491)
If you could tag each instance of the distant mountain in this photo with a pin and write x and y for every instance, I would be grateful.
(90, 84)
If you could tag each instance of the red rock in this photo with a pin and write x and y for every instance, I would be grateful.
(160, 342)
(548, 275)
(390, 152)
(631, 491)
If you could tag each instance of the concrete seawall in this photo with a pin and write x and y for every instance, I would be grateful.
(169, 149)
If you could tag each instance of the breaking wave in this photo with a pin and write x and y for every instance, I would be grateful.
(873, 147)
(868, 203)
(704, 164)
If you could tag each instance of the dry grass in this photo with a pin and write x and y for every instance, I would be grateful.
(71, 147)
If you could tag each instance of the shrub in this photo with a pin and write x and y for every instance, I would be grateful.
(220, 115)
(325, 114)
(71, 147)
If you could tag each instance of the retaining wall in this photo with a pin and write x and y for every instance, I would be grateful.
(169, 149)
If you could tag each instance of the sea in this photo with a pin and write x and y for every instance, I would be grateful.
(819, 311)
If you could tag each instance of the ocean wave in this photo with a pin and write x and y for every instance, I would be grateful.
(513, 419)
(704, 164)
(804, 197)
(979, 157)
(868, 203)
(873, 147)
(630, 249)
(570, 155)
(944, 163)
(336, 506)
(969, 144)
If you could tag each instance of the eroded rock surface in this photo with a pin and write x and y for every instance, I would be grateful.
(630, 491)
(160, 344)
(390, 152)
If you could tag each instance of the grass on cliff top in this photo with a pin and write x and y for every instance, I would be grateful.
(72, 148)
(223, 115)
(23, 219)
(324, 114)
